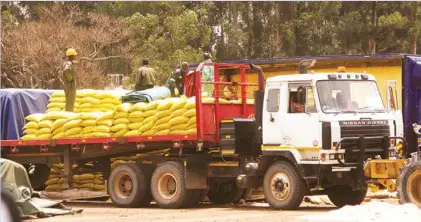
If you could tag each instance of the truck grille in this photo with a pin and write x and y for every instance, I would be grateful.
(372, 146)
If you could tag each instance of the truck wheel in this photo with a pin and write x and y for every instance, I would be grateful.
(225, 193)
(193, 197)
(169, 187)
(283, 187)
(344, 195)
(129, 186)
(409, 183)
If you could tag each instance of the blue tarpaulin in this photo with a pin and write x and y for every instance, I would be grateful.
(15, 105)
(411, 98)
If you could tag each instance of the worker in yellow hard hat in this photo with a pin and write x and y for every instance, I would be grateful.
(69, 78)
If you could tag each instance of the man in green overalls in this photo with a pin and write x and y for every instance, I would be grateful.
(69, 78)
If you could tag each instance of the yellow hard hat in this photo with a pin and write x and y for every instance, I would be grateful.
(71, 52)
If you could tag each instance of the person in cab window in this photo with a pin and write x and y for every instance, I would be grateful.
(296, 107)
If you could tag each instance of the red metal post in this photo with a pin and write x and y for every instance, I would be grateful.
(199, 108)
(243, 91)
(216, 96)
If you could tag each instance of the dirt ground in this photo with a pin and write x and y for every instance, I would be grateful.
(102, 212)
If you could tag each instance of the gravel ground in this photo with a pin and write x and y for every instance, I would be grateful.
(101, 212)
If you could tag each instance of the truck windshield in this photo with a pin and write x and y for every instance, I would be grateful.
(339, 96)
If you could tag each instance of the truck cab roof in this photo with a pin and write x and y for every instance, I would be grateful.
(321, 76)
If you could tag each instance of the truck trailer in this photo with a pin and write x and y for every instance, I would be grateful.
(305, 134)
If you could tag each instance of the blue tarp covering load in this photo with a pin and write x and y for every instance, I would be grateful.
(411, 97)
(147, 95)
(15, 105)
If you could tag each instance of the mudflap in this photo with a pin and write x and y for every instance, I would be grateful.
(196, 169)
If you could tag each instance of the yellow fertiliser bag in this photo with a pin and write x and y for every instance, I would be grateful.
(164, 105)
(88, 135)
(190, 113)
(125, 107)
(121, 120)
(58, 135)
(92, 100)
(179, 127)
(105, 122)
(102, 129)
(162, 120)
(138, 107)
(136, 114)
(57, 94)
(192, 120)
(132, 133)
(193, 126)
(91, 115)
(178, 120)
(162, 114)
(51, 181)
(43, 131)
(52, 110)
(151, 119)
(86, 105)
(78, 135)
(57, 100)
(56, 105)
(44, 137)
(152, 105)
(45, 124)
(88, 122)
(118, 127)
(149, 133)
(121, 132)
(178, 104)
(30, 131)
(58, 123)
(146, 127)
(162, 132)
(136, 120)
(73, 116)
(111, 101)
(29, 137)
(134, 126)
(88, 129)
(190, 103)
(162, 126)
(108, 106)
(178, 112)
(104, 116)
(178, 132)
(72, 131)
(72, 124)
(149, 113)
(36, 117)
(191, 131)
(121, 115)
(105, 94)
(31, 125)
(58, 130)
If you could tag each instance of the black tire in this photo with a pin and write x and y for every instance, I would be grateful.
(282, 178)
(409, 182)
(225, 193)
(344, 195)
(9, 205)
(128, 186)
(175, 197)
(193, 197)
(203, 195)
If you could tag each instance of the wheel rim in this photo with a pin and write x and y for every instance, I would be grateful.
(167, 186)
(124, 185)
(280, 186)
(414, 187)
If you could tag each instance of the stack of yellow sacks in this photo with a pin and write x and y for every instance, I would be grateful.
(82, 179)
(87, 100)
(160, 117)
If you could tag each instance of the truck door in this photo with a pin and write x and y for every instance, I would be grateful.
(271, 123)
(300, 121)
